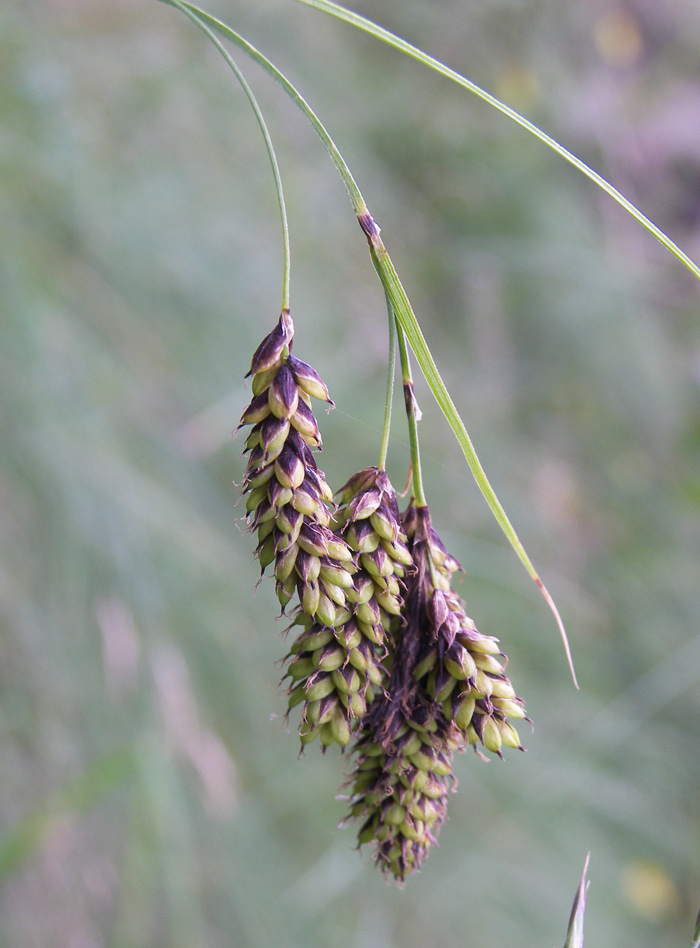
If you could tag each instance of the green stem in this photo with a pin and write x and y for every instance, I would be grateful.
(412, 414)
(362, 23)
(391, 371)
(268, 144)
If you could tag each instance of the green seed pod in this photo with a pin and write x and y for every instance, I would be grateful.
(285, 591)
(463, 711)
(368, 832)
(339, 550)
(273, 436)
(255, 497)
(394, 814)
(266, 552)
(384, 524)
(278, 494)
(368, 612)
(315, 638)
(265, 529)
(296, 696)
(285, 562)
(304, 422)
(364, 588)
(433, 788)
(289, 520)
(329, 657)
(312, 712)
(319, 687)
(398, 551)
(412, 744)
(307, 736)
(257, 411)
(312, 543)
(356, 703)
(483, 684)
(470, 735)
(308, 567)
(461, 665)
(311, 596)
(300, 667)
(308, 379)
(366, 539)
(488, 663)
(342, 615)
(445, 689)
(409, 830)
(290, 470)
(261, 381)
(305, 502)
(425, 665)
(327, 734)
(325, 610)
(259, 477)
(346, 680)
(336, 575)
(509, 735)
(491, 736)
(335, 593)
(502, 688)
(340, 728)
(423, 760)
(390, 604)
(358, 659)
(374, 633)
(481, 643)
(442, 766)
(283, 394)
(512, 707)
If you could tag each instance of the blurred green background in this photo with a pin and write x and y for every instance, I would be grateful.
(151, 792)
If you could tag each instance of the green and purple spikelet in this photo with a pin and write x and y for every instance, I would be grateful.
(384, 652)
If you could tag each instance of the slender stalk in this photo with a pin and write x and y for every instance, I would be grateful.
(206, 18)
(391, 371)
(362, 23)
(413, 416)
(268, 144)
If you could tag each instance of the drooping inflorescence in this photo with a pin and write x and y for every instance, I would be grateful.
(447, 689)
(384, 652)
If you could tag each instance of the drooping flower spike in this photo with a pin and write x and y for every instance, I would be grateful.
(447, 690)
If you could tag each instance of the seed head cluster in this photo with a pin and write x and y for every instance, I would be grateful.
(384, 653)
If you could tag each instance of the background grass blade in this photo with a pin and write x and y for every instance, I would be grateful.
(574, 935)
(696, 936)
